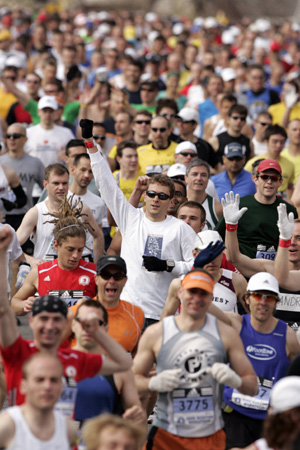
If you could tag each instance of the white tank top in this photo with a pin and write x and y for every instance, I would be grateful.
(43, 238)
(25, 440)
(224, 293)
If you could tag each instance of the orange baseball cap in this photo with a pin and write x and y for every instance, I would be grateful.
(198, 279)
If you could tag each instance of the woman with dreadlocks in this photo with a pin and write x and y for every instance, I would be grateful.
(68, 276)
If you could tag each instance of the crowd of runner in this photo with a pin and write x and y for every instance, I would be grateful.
(149, 201)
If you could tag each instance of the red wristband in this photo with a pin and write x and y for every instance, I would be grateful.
(285, 244)
(89, 144)
(230, 227)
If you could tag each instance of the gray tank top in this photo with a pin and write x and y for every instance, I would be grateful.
(193, 409)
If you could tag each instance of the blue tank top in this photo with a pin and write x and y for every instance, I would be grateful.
(258, 103)
(267, 354)
(96, 396)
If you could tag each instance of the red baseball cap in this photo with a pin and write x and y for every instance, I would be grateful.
(268, 164)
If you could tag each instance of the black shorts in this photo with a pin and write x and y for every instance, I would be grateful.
(241, 430)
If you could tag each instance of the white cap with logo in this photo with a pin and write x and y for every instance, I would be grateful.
(185, 145)
(285, 394)
(263, 281)
(48, 101)
(204, 238)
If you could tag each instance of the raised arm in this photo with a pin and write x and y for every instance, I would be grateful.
(288, 279)
(96, 232)
(8, 326)
(23, 299)
(232, 214)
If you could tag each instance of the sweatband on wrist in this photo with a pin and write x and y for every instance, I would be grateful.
(89, 144)
(284, 244)
(230, 227)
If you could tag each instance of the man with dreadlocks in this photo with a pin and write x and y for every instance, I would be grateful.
(68, 276)
(36, 220)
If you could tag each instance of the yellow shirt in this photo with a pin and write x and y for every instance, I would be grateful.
(286, 166)
(295, 160)
(6, 100)
(151, 159)
(277, 111)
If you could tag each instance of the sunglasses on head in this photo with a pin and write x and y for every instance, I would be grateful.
(155, 130)
(266, 177)
(146, 122)
(192, 155)
(259, 297)
(101, 322)
(99, 136)
(160, 195)
(242, 119)
(118, 276)
(14, 135)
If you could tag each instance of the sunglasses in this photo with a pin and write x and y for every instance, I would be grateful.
(192, 155)
(264, 124)
(235, 158)
(259, 297)
(169, 115)
(99, 136)
(146, 122)
(162, 130)
(242, 119)
(118, 276)
(273, 178)
(101, 322)
(160, 195)
(32, 81)
(147, 90)
(10, 78)
(14, 135)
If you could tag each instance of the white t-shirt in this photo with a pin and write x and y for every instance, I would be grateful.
(47, 145)
(94, 202)
(169, 239)
(14, 251)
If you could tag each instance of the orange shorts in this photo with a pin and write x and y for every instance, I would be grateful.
(160, 439)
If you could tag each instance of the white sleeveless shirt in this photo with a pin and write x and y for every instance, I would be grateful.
(25, 440)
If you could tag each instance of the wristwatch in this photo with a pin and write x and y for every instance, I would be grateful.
(170, 265)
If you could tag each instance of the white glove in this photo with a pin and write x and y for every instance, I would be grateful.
(24, 269)
(285, 223)
(165, 381)
(224, 375)
(231, 211)
(291, 97)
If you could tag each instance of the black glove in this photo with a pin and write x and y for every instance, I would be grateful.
(87, 128)
(154, 264)
(8, 205)
(209, 254)
(73, 72)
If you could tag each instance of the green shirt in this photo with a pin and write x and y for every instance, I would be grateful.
(257, 231)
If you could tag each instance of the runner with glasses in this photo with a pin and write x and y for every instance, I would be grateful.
(125, 320)
(257, 230)
(270, 345)
(155, 246)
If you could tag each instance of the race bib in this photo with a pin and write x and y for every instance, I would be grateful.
(193, 406)
(66, 402)
(260, 401)
(69, 297)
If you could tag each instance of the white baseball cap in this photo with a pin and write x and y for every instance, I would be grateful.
(285, 394)
(263, 281)
(176, 170)
(185, 145)
(188, 114)
(48, 101)
(228, 74)
(204, 238)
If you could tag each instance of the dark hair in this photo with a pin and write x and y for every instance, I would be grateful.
(74, 143)
(196, 205)
(143, 112)
(166, 103)
(239, 109)
(79, 157)
(230, 98)
(181, 184)
(126, 144)
(256, 67)
(56, 168)
(94, 304)
(70, 47)
(12, 69)
(137, 63)
(256, 164)
(196, 163)
(278, 428)
(99, 124)
(163, 180)
(274, 129)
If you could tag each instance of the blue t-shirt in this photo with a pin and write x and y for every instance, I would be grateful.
(243, 185)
